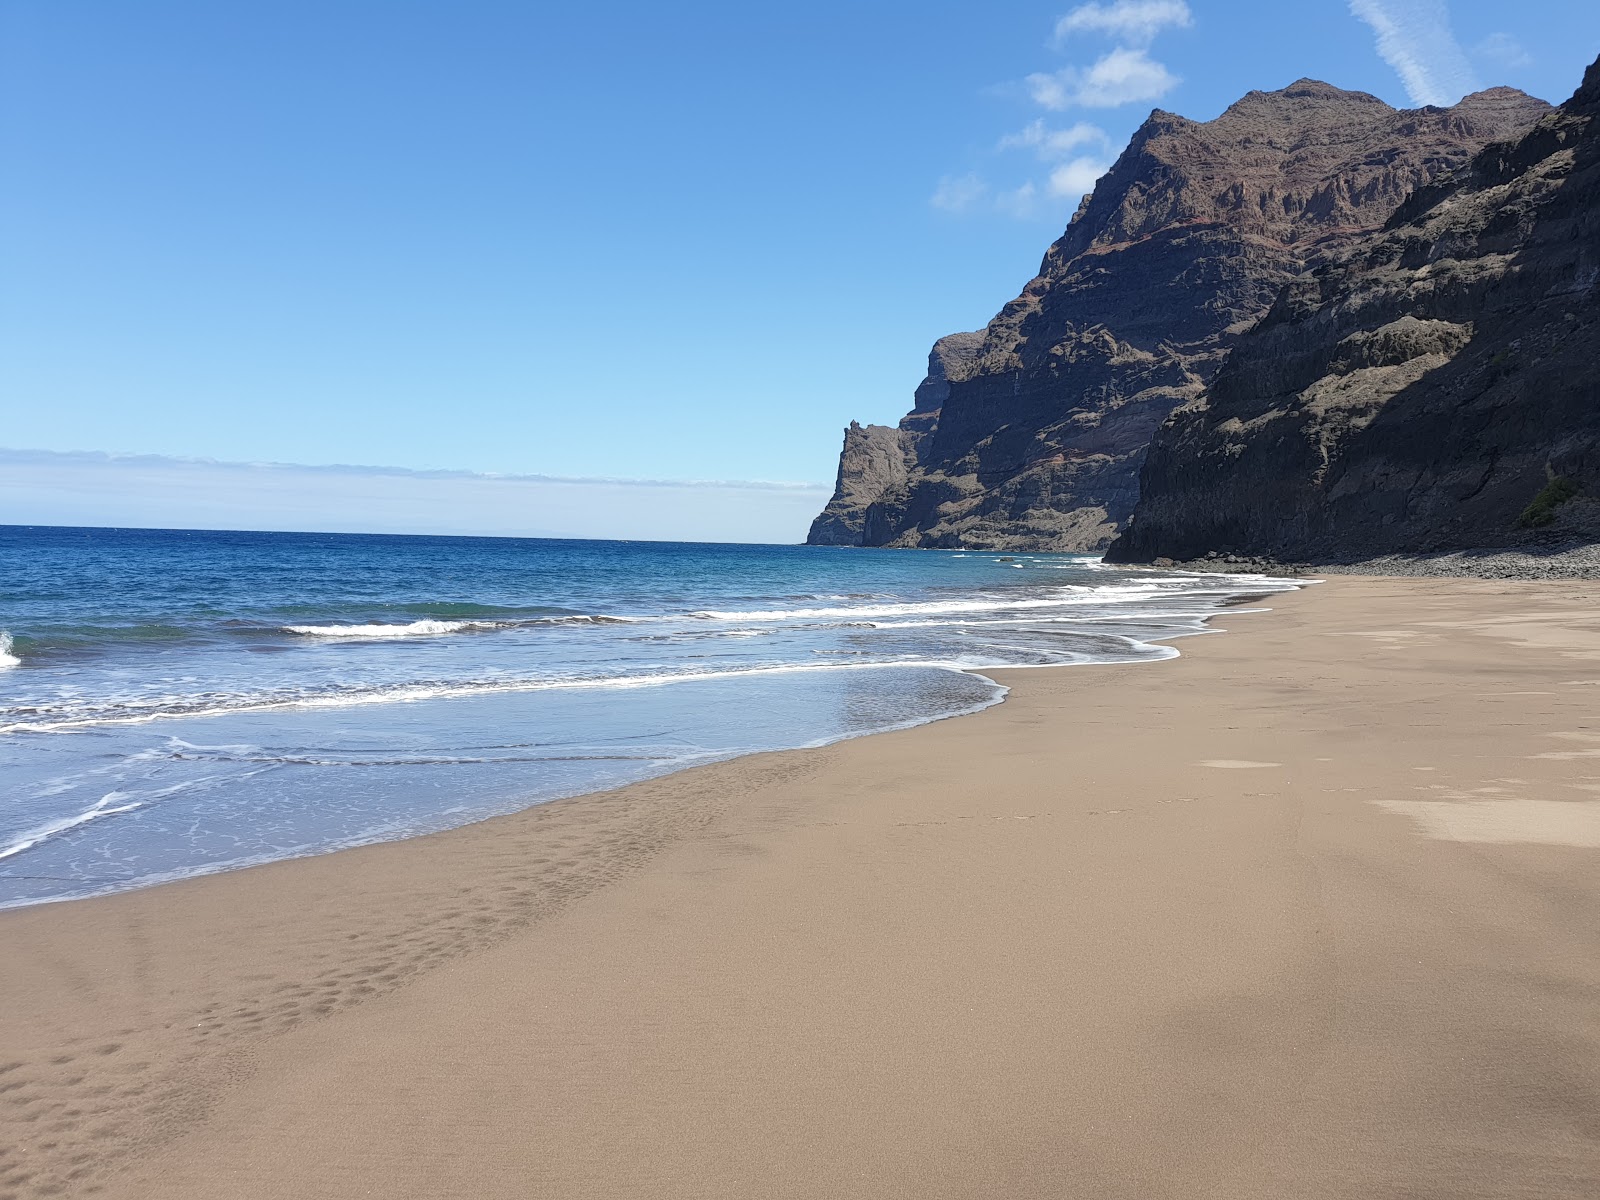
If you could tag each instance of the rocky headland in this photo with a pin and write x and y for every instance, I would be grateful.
(1031, 433)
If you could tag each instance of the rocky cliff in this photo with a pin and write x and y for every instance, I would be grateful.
(1435, 387)
(1030, 434)
(878, 460)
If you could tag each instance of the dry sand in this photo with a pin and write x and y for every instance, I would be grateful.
(1313, 911)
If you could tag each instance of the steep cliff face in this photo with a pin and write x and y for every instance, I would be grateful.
(1031, 434)
(1418, 392)
(877, 459)
(873, 463)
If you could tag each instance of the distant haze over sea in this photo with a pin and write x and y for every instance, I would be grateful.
(39, 487)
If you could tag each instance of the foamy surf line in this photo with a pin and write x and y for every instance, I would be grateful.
(430, 627)
(436, 628)
(1062, 611)
(1129, 594)
(413, 693)
(103, 808)
(1138, 650)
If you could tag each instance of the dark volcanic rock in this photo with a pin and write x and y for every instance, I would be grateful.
(1030, 435)
(877, 460)
(1415, 394)
(874, 461)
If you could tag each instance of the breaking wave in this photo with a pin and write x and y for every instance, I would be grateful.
(414, 629)
(65, 717)
(1077, 598)
(434, 628)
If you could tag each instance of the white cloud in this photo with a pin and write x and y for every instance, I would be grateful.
(1071, 178)
(1076, 178)
(1080, 153)
(1414, 38)
(1505, 50)
(959, 193)
(1129, 21)
(1120, 77)
(1052, 144)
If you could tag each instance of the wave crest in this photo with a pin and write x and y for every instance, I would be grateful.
(413, 629)
(436, 628)
(1073, 597)
(7, 659)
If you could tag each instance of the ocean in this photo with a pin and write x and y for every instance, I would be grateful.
(177, 702)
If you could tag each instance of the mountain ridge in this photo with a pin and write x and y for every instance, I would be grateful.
(1030, 433)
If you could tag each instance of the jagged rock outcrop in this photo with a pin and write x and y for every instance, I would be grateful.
(1031, 434)
(877, 459)
(1417, 393)
(874, 461)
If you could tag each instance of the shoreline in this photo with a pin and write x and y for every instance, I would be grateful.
(228, 868)
(935, 961)
(32, 837)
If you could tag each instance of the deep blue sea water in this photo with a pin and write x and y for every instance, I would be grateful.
(177, 702)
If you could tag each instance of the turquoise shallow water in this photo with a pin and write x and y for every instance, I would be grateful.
(176, 702)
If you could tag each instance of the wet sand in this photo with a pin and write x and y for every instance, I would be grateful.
(1312, 911)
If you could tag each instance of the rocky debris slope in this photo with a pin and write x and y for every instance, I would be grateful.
(1435, 388)
(1030, 435)
(1570, 562)
(1545, 559)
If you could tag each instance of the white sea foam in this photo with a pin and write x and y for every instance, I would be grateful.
(7, 659)
(1077, 597)
(414, 629)
(158, 708)
(105, 807)
(434, 628)
(1185, 620)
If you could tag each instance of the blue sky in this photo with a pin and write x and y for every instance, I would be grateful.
(630, 241)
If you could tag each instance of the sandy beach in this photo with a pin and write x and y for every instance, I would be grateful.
(1311, 911)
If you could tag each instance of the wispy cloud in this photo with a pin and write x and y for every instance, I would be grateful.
(1414, 38)
(959, 193)
(1135, 22)
(1080, 153)
(1073, 173)
(1051, 144)
(1123, 76)
(1503, 50)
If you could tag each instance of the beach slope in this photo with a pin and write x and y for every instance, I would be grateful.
(1312, 911)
